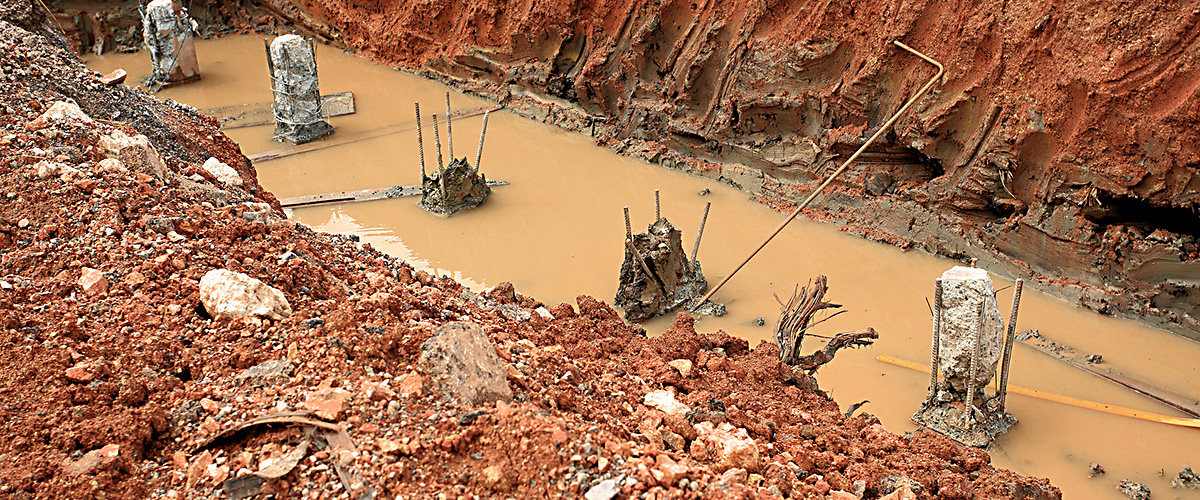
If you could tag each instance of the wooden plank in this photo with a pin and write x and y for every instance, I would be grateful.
(276, 154)
(259, 113)
(1080, 360)
(359, 195)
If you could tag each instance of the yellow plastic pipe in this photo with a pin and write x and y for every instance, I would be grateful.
(1067, 400)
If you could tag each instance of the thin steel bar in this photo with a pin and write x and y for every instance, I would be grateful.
(935, 356)
(628, 228)
(969, 404)
(700, 233)
(420, 148)
(482, 131)
(449, 134)
(657, 209)
(912, 100)
(1008, 342)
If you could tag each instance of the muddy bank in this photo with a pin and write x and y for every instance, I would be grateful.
(123, 380)
(1046, 161)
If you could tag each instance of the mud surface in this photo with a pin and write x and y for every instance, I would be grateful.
(1055, 149)
(117, 382)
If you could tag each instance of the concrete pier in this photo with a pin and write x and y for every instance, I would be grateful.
(167, 30)
(967, 349)
(297, 104)
(656, 275)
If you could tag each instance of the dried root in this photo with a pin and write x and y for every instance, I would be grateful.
(796, 317)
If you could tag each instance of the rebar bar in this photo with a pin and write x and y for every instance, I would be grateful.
(657, 209)
(645, 268)
(935, 362)
(912, 100)
(420, 148)
(270, 62)
(700, 232)
(482, 131)
(1008, 342)
(969, 406)
(449, 133)
(437, 143)
(628, 228)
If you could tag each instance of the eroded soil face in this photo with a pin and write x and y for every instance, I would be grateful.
(1056, 148)
(115, 379)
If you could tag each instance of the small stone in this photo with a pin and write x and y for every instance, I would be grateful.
(267, 373)
(667, 472)
(198, 469)
(683, 366)
(328, 409)
(411, 384)
(224, 173)
(226, 294)
(60, 112)
(93, 282)
(903, 493)
(1095, 469)
(602, 465)
(726, 446)
(665, 400)
(604, 490)
(81, 373)
(115, 77)
(92, 459)
(1134, 490)
(23, 223)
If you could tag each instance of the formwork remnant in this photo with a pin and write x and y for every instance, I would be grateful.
(167, 31)
(297, 106)
(457, 186)
(969, 345)
(657, 276)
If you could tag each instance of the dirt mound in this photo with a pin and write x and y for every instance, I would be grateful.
(1041, 158)
(118, 384)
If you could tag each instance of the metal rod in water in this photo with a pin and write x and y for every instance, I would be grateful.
(935, 362)
(969, 408)
(449, 134)
(641, 263)
(437, 143)
(657, 209)
(700, 233)
(1008, 342)
(886, 125)
(628, 228)
(420, 149)
(270, 64)
(479, 152)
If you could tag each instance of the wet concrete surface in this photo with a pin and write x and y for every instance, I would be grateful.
(556, 231)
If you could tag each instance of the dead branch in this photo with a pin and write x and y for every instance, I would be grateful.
(795, 317)
(858, 338)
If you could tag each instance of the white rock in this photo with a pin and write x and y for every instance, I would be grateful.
(226, 294)
(728, 447)
(665, 401)
(92, 281)
(47, 169)
(111, 165)
(135, 152)
(544, 313)
(962, 290)
(61, 111)
(224, 173)
(683, 366)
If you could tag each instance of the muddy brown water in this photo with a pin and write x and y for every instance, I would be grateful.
(556, 232)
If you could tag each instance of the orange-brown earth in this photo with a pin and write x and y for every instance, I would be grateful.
(115, 379)
(1056, 149)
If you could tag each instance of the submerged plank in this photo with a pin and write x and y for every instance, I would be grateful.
(348, 139)
(359, 195)
(259, 113)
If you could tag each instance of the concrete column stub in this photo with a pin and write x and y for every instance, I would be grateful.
(167, 30)
(962, 290)
(297, 104)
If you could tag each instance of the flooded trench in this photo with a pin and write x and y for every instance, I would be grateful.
(556, 232)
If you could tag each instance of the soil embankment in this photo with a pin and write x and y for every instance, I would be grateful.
(118, 383)
(1056, 148)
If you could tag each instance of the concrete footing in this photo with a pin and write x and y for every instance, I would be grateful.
(167, 30)
(456, 188)
(968, 347)
(297, 104)
(672, 280)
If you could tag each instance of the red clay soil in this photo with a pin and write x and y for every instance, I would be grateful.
(1057, 148)
(118, 389)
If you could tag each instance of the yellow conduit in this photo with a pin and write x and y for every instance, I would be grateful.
(1067, 400)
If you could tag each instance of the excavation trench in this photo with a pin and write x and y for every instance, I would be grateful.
(556, 232)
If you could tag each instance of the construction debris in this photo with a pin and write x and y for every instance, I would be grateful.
(656, 275)
(167, 30)
(968, 344)
(297, 106)
(795, 318)
(455, 187)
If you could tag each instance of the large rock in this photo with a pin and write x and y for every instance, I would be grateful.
(224, 173)
(725, 446)
(135, 152)
(962, 290)
(60, 112)
(226, 294)
(463, 364)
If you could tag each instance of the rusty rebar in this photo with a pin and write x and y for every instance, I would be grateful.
(420, 147)
(482, 131)
(270, 64)
(700, 232)
(912, 100)
(935, 362)
(657, 209)
(1008, 342)
(628, 228)
(449, 134)
(437, 143)
(642, 263)
(969, 407)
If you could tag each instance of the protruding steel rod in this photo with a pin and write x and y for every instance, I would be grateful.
(912, 100)
(449, 134)
(628, 228)
(657, 207)
(420, 147)
(969, 407)
(270, 63)
(437, 143)
(1008, 342)
(642, 263)
(482, 131)
(935, 362)
(700, 232)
